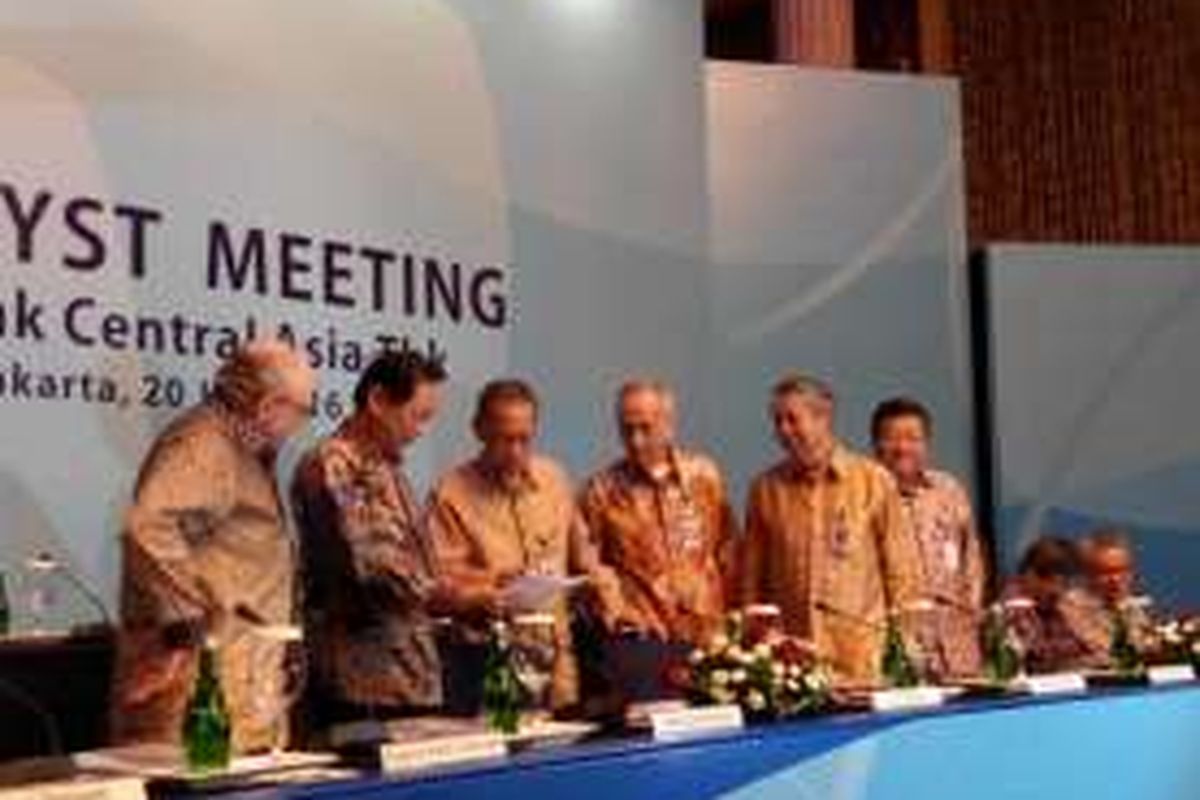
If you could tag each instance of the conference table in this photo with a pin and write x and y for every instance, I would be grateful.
(1139, 743)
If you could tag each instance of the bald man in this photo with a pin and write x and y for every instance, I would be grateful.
(205, 556)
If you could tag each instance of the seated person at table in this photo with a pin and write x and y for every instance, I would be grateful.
(948, 548)
(206, 555)
(826, 539)
(1053, 629)
(368, 579)
(662, 522)
(1108, 568)
(505, 513)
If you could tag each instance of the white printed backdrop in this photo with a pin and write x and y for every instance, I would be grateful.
(559, 189)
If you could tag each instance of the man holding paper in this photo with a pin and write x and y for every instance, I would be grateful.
(508, 518)
(370, 589)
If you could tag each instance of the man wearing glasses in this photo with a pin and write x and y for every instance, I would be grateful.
(206, 555)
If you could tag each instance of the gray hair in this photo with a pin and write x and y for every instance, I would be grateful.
(803, 385)
(652, 385)
(253, 372)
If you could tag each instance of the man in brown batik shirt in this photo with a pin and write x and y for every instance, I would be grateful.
(662, 522)
(206, 556)
(948, 547)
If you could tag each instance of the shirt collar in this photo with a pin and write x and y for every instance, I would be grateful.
(526, 481)
(671, 474)
(366, 432)
(924, 482)
(246, 432)
(837, 468)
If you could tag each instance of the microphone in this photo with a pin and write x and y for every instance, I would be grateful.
(954, 604)
(1135, 602)
(47, 564)
(265, 629)
(832, 610)
(920, 605)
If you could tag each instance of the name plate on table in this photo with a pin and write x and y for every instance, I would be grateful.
(908, 699)
(79, 789)
(402, 758)
(1167, 674)
(1055, 683)
(686, 723)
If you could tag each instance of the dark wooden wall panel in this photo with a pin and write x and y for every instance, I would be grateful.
(1081, 118)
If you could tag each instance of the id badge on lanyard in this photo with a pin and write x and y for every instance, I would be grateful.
(686, 523)
(838, 533)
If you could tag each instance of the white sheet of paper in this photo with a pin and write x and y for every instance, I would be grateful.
(533, 592)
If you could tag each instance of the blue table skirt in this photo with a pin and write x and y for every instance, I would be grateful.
(1137, 744)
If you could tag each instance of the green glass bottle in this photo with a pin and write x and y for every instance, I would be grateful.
(207, 731)
(1002, 661)
(1126, 658)
(502, 690)
(898, 668)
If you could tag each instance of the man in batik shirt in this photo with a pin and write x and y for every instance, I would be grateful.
(826, 539)
(662, 522)
(368, 577)
(206, 557)
(505, 513)
(1110, 582)
(950, 556)
(1052, 624)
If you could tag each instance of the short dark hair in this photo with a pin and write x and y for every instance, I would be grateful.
(397, 373)
(895, 408)
(504, 390)
(1051, 557)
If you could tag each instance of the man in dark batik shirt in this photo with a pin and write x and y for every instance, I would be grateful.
(1052, 627)
(370, 588)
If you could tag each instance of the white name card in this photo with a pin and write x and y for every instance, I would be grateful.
(1054, 683)
(691, 722)
(1171, 673)
(402, 758)
(907, 699)
(79, 789)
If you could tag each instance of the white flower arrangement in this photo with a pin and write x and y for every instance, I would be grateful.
(775, 677)
(1178, 640)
